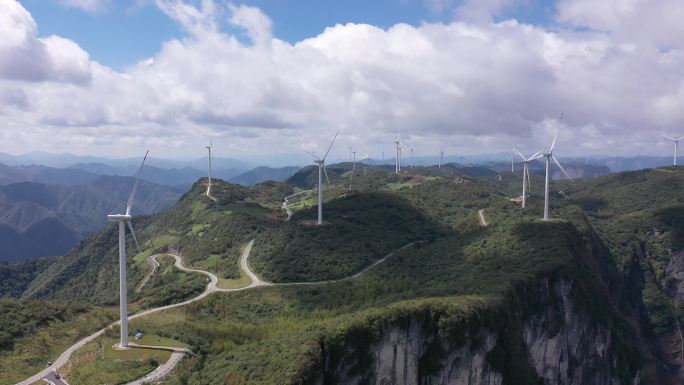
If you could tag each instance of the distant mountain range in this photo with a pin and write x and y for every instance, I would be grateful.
(48, 202)
(261, 174)
(39, 219)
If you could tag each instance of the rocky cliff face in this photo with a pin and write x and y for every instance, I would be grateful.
(556, 344)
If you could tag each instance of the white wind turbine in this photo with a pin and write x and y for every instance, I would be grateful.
(209, 148)
(397, 158)
(321, 171)
(526, 172)
(123, 220)
(676, 147)
(549, 156)
(513, 153)
(411, 149)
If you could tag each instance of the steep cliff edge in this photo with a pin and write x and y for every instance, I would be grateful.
(553, 342)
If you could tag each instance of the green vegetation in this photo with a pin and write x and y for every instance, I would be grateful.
(359, 229)
(615, 243)
(35, 332)
(273, 335)
(99, 362)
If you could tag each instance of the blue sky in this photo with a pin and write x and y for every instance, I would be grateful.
(124, 32)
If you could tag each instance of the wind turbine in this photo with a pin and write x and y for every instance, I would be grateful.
(549, 156)
(512, 159)
(321, 170)
(411, 149)
(441, 157)
(526, 172)
(209, 147)
(397, 160)
(354, 162)
(123, 220)
(676, 143)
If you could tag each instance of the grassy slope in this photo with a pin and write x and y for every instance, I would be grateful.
(35, 332)
(197, 227)
(262, 336)
(272, 335)
(100, 363)
(359, 229)
(640, 215)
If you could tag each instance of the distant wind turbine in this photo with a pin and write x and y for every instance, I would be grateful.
(441, 158)
(397, 160)
(513, 153)
(549, 156)
(411, 149)
(526, 172)
(676, 147)
(321, 171)
(209, 148)
(123, 220)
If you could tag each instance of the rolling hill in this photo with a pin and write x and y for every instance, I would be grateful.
(590, 297)
(262, 174)
(46, 220)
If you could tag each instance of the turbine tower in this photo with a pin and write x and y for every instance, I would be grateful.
(209, 147)
(397, 158)
(441, 158)
(526, 172)
(123, 220)
(676, 147)
(512, 159)
(321, 170)
(411, 149)
(549, 156)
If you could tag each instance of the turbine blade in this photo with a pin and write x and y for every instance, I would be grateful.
(680, 138)
(665, 136)
(325, 171)
(129, 205)
(561, 167)
(130, 227)
(553, 144)
(331, 144)
(536, 155)
(516, 152)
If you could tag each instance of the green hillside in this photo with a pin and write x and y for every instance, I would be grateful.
(359, 229)
(613, 243)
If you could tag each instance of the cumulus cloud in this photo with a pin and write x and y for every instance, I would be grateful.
(24, 56)
(256, 23)
(463, 86)
(643, 21)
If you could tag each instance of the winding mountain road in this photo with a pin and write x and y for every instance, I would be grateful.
(153, 261)
(483, 221)
(177, 355)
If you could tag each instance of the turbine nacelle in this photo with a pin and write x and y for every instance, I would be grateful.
(119, 218)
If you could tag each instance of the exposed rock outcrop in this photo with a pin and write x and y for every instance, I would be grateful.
(555, 344)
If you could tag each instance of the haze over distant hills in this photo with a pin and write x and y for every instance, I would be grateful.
(39, 219)
(51, 201)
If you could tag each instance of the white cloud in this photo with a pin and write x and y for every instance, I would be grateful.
(258, 26)
(453, 86)
(644, 21)
(24, 56)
